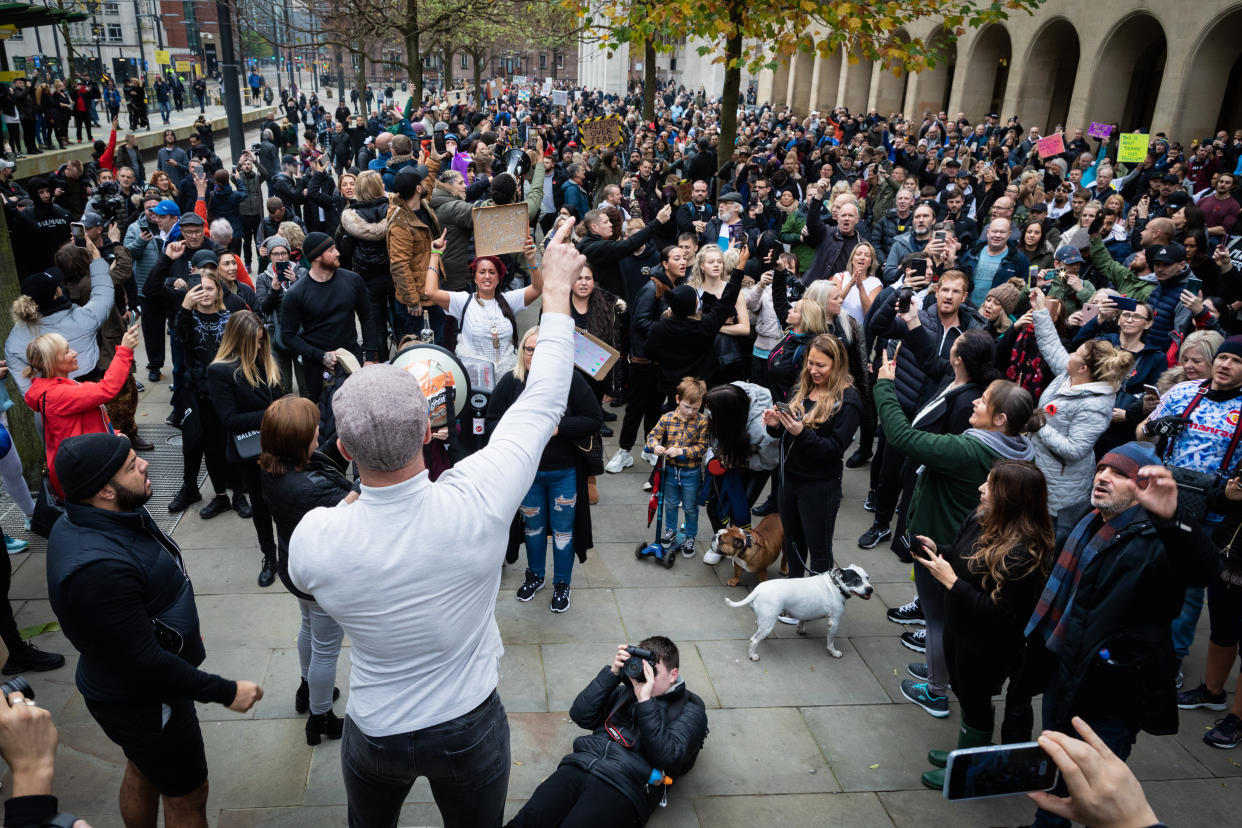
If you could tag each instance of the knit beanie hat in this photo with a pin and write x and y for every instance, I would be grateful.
(1005, 295)
(85, 463)
(1232, 345)
(381, 417)
(41, 287)
(683, 301)
(1131, 457)
(272, 242)
(315, 245)
(406, 182)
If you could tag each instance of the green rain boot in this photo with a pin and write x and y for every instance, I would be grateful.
(967, 737)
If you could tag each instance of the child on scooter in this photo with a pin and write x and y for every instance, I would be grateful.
(680, 437)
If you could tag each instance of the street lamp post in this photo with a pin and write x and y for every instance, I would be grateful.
(228, 71)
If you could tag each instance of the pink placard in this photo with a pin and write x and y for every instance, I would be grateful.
(1099, 130)
(1051, 146)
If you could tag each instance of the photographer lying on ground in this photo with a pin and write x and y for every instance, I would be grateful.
(644, 723)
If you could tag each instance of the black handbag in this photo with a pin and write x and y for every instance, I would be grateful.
(593, 448)
(48, 507)
(247, 445)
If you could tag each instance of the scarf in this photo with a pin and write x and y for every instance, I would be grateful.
(1058, 597)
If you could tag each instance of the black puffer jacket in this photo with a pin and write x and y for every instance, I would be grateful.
(364, 239)
(291, 495)
(682, 347)
(656, 741)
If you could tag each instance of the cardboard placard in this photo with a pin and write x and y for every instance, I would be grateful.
(499, 229)
(1133, 147)
(455, 97)
(547, 87)
(593, 355)
(1099, 130)
(560, 97)
(600, 132)
(1051, 146)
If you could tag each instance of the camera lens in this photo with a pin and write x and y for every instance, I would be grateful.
(17, 684)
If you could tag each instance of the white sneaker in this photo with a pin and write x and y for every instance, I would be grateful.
(711, 557)
(620, 460)
(651, 457)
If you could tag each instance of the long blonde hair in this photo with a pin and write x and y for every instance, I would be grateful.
(42, 354)
(696, 274)
(242, 344)
(832, 392)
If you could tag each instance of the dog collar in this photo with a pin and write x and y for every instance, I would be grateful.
(750, 541)
(845, 593)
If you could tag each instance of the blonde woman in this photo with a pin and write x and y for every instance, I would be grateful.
(824, 413)
(708, 276)
(244, 380)
(860, 285)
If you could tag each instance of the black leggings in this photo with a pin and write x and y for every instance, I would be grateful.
(573, 798)
(644, 405)
(248, 471)
(8, 627)
(209, 443)
(808, 510)
(83, 120)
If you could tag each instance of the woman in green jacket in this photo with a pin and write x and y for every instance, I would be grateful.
(947, 491)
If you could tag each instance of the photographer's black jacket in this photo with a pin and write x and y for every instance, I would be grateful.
(657, 741)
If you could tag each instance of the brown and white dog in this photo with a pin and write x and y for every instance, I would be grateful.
(753, 550)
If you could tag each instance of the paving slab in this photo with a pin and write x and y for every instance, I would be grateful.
(281, 680)
(886, 658)
(684, 613)
(236, 621)
(790, 672)
(250, 664)
(762, 750)
(522, 686)
(619, 567)
(923, 807)
(856, 809)
(266, 765)
(592, 616)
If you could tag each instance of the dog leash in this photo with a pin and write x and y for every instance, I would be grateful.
(835, 581)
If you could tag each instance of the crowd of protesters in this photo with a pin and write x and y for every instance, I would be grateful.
(1038, 358)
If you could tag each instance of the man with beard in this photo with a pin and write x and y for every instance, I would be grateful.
(119, 588)
(1125, 561)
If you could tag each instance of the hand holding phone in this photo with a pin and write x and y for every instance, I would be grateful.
(998, 770)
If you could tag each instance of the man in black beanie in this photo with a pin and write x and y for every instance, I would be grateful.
(119, 588)
(317, 314)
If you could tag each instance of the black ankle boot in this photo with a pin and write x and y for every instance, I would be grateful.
(301, 699)
(267, 575)
(1016, 726)
(323, 724)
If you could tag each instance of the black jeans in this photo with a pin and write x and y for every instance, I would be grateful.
(466, 760)
(573, 798)
(154, 322)
(808, 510)
(206, 441)
(82, 120)
(248, 471)
(644, 404)
(8, 627)
(250, 237)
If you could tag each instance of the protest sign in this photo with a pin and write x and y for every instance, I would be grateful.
(500, 229)
(1051, 146)
(1133, 148)
(547, 87)
(593, 355)
(455, 97)
(1099, 130)
(560, 97)
(600, 132)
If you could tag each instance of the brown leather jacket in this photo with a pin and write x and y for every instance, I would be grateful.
(409, 243)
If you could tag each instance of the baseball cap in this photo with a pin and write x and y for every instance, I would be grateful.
(1170, 253)
(6, 164)
(167, 207)
(1068, 255)
(91, 219)
(205, 258)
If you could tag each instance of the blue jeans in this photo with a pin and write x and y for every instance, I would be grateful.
(1184, 624)
(165, 110)
(1120, 740)
(466, 760)
(549, 504)
(681, 488)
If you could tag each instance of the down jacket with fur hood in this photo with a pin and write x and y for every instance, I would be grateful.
(1076, 418)
(363, 239)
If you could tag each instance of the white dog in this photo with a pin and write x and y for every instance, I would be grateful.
(822, 596)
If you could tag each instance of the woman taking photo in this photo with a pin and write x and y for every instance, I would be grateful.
(487, 318)
(200, 327)
(741, 456)
(69, 407)
(1078, 405)
(993, 574)
(244, 380)
(556, 503)
(296, 478)
(955, 465)
(824, 413)
(806, 319)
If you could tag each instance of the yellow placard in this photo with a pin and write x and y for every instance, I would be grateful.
(9, 77)
(1133, 147)
(183, 66)
(162, 57)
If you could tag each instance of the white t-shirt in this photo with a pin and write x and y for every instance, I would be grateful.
(852, 303)
(486, 333)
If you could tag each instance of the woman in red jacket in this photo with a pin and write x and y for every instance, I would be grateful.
(70, 407)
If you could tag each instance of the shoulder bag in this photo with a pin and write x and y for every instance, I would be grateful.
(1197, 491)
(48, 507)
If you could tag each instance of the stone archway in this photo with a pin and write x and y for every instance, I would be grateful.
(1128, 73)
(987, 72)
(1048, 80)
(935, 84)
(890, 91)
(1213, 78)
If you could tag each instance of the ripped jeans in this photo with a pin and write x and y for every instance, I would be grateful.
(549, 505)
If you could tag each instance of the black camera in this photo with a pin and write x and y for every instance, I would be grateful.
(903, 299)
(633, 666)
(18, 684)
(1166, 427)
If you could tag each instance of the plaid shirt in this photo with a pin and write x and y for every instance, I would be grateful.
(674, 432)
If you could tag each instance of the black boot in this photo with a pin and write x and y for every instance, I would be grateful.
(301, 699)
(31, 658)
(219, 503)
(1017, 725)
(185, 497)
(267, 575)
(767, 507)
(859, 458)
(323, 724)
(241, 504)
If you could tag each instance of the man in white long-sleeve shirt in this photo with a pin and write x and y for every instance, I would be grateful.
(411, 571)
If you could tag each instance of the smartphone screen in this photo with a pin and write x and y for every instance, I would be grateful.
(998, 770)
(939, 235)
(1194, 284)
(78, 231)
(439, 140)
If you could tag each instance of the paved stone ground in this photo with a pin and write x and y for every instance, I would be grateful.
(797, 739)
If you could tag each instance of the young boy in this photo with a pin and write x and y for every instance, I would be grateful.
(681, 437)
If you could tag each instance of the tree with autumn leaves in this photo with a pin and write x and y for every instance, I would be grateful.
(760, 35)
